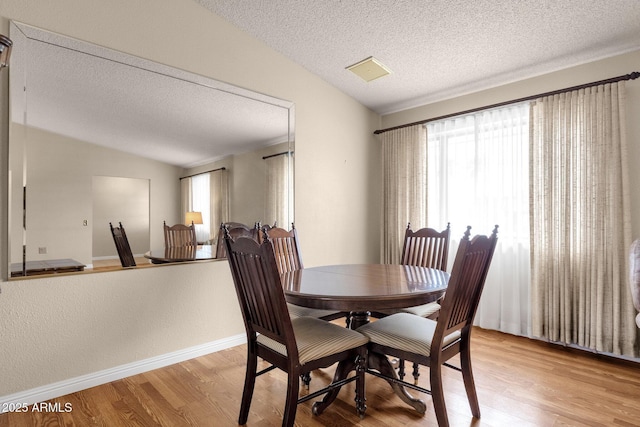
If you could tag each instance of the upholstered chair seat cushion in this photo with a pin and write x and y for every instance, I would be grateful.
(404, 331)
(317, 338)
(425, 310)
(634, 276)
(296, 311)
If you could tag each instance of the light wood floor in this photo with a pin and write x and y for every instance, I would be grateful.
(114, 264)
(520, 382)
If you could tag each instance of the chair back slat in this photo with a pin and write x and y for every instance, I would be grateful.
(122, 246)
(426, 247)
(179, 236)
(468, 276)
(260, 293)
(286, 248)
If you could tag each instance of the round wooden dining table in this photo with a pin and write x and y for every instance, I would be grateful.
(364, 288)
(361, 289)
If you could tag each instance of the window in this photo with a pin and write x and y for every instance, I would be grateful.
(207, 193)
(478, 175)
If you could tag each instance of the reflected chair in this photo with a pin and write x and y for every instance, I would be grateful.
(295, 346)
(432, 343)
(122, 245)
(179, 235)
(236, 229)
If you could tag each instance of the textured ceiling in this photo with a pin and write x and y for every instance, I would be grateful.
(436, 49)
(111, 99)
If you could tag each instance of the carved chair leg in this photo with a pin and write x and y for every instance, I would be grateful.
(306, 379)
(416, 373)
(401, 372)
(361, 367)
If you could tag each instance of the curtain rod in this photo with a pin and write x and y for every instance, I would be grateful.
(277, 154)
(200, 173)
(631, 76)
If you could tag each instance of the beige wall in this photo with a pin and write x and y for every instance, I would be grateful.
(58, 328)
(120, 200)
(59, 186)
(595, 71)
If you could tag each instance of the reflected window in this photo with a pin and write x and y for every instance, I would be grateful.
(207, 193)
(279, 189)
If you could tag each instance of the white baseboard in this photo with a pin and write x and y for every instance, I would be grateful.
(72, 385)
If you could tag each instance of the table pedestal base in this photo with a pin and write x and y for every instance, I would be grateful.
(357, 319)
(380, 363)
(375, 361)
(342, 371)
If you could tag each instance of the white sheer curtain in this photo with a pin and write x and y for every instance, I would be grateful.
(279, 190)
(185, 196)
(404, 187)
(478, 175)
(207, 193)
(200, 190)
(581, 221)
(219, 204)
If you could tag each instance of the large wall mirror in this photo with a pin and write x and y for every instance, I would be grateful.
(100, 136)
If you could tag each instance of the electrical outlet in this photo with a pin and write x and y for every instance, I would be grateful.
(42, 250)
(85, 222)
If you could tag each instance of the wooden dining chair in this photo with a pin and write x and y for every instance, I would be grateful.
(179, 235)
(122, 245)
(295, 346)
(261, 226)
(286, 249)
(426, 247)
(429, 248)
(236, 229)
(432, 343)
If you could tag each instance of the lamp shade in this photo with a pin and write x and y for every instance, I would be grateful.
(195, 217)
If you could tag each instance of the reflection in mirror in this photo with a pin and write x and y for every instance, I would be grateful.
(80, 113)
(124, 198)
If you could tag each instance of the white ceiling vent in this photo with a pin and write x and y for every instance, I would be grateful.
(369, 69)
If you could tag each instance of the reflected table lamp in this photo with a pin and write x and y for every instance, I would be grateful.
(193, 218)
